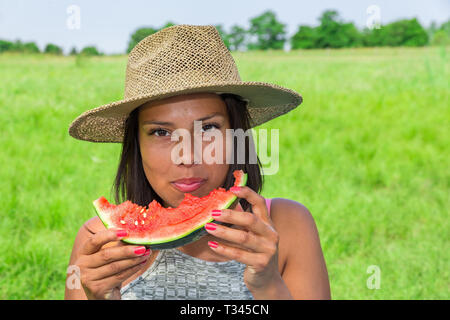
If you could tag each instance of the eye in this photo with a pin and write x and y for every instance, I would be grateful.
(158, 132)
(211, 125)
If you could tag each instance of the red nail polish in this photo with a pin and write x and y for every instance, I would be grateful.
(147, 252)
(210, 226)
(121, 233)
(139, 250)
(216, 213)
(235, 189)
(213, 244)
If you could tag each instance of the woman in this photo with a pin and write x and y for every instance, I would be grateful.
(175, 77)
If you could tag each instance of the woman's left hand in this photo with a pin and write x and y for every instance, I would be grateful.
(255, 243)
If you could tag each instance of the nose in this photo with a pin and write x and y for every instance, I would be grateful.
(191, 149)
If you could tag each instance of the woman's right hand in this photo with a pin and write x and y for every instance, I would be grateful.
(102, 270)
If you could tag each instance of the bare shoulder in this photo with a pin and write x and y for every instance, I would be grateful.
(290, 209)
(301, 261)
(289, 215)
(294, 224)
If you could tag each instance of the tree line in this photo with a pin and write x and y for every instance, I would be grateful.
(267, 32)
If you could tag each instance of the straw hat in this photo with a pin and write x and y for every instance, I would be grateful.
(177, 60)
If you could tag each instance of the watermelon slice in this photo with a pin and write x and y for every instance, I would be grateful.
(165, 228)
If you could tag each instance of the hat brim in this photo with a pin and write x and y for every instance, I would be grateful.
(106, 123)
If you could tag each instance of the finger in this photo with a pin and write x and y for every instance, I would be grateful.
(117, 279)
(245, 238)
(249, 258)
(112, 254)
(243, 219)
(256, 200)
(99, 239)
(116, 267)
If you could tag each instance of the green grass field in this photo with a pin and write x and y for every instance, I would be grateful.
(367, 153)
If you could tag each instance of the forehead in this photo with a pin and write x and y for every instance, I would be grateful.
(183, 107)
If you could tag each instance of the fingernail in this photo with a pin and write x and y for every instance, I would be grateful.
(235, 189)
(216, 213)
(147, 252)
(139, 250)
(210, 226)
(121, 233)
(213, 244)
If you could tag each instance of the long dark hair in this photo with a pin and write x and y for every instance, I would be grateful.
(132, 184)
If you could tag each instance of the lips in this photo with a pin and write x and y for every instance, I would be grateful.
(188, 184)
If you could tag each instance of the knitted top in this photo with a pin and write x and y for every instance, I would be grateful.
(175, 275)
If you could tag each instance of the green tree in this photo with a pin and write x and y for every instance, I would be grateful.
(53, 49)
(142, 33)
(399, 33)
(334, 33)
(30, 47)
(441, 36)
(374, 37)
(405, 33)
(89, 51)
(223, 35)
(237, 38)
(268, 32)
(305, 38)
(18, 46)
(5, 45)
(138, 36)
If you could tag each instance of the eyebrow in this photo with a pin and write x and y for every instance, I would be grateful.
(165, 123)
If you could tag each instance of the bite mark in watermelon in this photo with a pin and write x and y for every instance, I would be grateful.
(165, 228)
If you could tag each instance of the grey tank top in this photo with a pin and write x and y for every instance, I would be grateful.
(175, 275)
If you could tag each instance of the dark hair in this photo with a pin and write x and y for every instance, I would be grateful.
(132, 184)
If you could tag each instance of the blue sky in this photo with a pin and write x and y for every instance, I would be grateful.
(109, 24)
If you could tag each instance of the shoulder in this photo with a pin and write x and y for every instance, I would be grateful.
(286, 212)
(294, 223)
(300, 253)
(295, 226)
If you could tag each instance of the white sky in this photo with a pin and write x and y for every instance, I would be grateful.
(109, 24)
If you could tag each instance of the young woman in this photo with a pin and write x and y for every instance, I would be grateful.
(272, 249)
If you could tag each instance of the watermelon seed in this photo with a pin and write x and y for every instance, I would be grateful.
(136, 223)
(145, 214)
(122, 222)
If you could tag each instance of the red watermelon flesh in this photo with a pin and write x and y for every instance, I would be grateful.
(163, 228)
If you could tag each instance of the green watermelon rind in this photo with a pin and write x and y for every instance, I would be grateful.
(168, 243)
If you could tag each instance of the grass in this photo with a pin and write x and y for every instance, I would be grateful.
(367, 153)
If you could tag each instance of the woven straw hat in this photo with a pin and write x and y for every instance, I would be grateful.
(181, 59)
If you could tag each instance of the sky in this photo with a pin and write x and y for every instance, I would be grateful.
(109, 24)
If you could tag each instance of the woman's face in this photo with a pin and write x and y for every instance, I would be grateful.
(157, 122)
